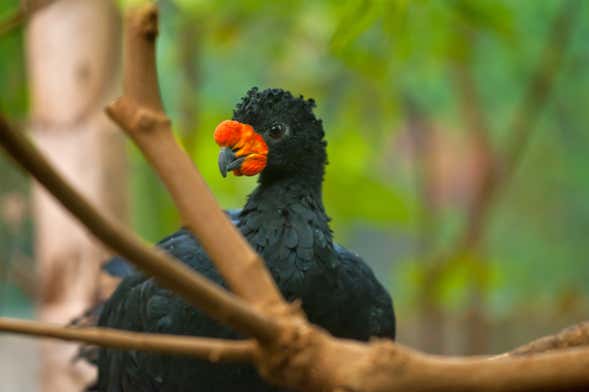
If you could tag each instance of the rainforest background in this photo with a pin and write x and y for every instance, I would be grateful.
(457, 147)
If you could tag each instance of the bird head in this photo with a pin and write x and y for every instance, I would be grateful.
(274, 134)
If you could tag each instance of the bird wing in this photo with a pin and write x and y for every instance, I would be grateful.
(340, 293)
(140, 304)
(370, 307)
(118, 267)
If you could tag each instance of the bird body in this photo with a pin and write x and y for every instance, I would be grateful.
(285, 222)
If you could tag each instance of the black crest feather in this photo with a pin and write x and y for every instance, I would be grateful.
(258, 101)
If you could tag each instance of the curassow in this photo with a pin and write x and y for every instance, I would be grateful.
(277, 136)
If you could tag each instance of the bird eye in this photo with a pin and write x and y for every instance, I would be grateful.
(277, 131)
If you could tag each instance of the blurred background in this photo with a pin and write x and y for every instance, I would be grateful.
(457, 147)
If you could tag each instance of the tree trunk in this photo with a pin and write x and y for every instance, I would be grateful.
(73, 50)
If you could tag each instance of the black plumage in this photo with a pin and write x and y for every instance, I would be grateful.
(285, 221)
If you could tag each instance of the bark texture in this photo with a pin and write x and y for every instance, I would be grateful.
(73, 50)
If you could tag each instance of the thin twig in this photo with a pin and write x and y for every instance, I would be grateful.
(523, 125)
(431, 322)
(524, 122)
(541, 84)
(215, 350)
(477, 125)
(481, 189)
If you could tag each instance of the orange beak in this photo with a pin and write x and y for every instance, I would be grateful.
(243, 151)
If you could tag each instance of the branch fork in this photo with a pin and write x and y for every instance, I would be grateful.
(129, 115)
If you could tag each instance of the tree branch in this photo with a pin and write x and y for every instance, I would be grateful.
(172, 274)
(542, 83)
(342, 365)
(421, 132)
(140, 113)
(215, 350)
(525, 118)
(522, 127)
(352, 366)
(481, 188)
(557, 371)
(476, 123)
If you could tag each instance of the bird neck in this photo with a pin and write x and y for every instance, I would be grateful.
(288, 216)
(283, 191)
(306, 172)
(306, 175)
(274, 201)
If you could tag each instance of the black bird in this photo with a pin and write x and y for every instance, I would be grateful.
(278, 136)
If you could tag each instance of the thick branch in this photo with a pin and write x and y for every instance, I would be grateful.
(399, 369)
(318, 362)
(172, 274)
(139, 112)
(342, 365)
(215, 350)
